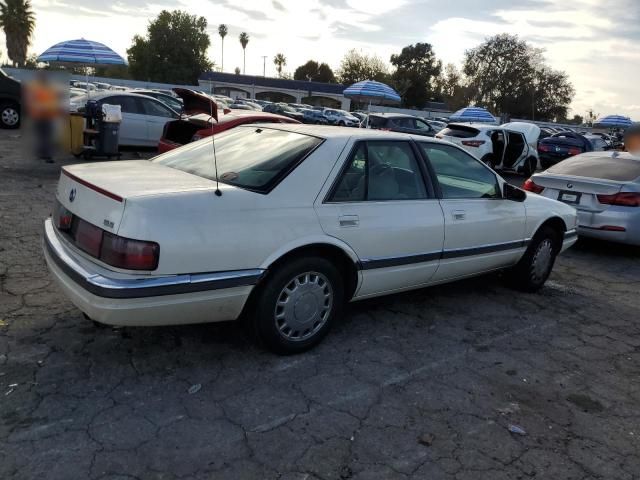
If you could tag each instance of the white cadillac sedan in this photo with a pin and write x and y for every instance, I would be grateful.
(305, 219)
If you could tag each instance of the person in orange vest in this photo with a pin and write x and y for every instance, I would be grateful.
(632, 139)
(44, 107)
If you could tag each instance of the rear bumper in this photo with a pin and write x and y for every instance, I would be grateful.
(598, 225)
(139, 300)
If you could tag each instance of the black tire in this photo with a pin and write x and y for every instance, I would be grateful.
(271, 330)
(535, 266)
(529, 167)
(9, 115)
(489, 160)
(342, 124)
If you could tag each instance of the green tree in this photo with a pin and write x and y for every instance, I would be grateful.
(18, 22)
(222, 31)
(244, 40)
(450, 87)
(357, 66)
(173, 51)
(279, 61)
(418, 66)
(506, 75)
(314, 71)
(112, 71)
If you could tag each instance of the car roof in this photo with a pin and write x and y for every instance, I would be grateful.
(393, 115)
(331, 132)
(111, 93)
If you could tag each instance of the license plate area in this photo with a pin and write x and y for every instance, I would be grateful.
(572, 198)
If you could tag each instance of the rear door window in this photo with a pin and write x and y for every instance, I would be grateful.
(127, 104)
(381, 171)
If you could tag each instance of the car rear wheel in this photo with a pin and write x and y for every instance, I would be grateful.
(535, 266)
(9, 115)
(297, 305)
(529, 167)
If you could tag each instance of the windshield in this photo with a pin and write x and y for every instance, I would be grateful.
(248, 157)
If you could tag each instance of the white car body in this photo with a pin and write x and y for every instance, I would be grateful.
(215, 250)
(340, 117)
(143, 117)
(509, 147)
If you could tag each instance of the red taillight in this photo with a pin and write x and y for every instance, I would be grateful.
(129, 254)
(623, 199)
(62, 217)
(613, 228)
(530, 186)
(575, 151)
(543, 148)
(473, 143)
(87, 237)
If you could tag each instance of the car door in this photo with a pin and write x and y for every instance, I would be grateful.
(381, 205)
(157, 114)
(483, 231)
(133, 129)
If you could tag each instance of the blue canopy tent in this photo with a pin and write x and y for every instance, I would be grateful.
(82, 52)
(372, 92)
(473, 114)
(613, 121)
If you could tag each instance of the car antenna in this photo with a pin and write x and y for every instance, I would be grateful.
(217, 191)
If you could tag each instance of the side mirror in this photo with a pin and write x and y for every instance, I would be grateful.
(515, 194)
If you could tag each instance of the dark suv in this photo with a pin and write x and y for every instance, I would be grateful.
(398, 122)
(10, 101)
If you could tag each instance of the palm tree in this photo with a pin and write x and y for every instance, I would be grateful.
(18, 22)
(244, 40)
(280, 61)
(222, 31)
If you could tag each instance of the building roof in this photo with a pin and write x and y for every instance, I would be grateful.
(333, 88)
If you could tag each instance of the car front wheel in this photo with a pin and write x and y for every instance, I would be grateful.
(297, 305)
(536, 264)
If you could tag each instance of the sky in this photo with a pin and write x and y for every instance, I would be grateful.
(596, 42)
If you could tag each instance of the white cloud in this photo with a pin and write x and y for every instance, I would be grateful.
(583, 40)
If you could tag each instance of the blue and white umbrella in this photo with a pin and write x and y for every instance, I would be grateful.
(372, 92)
(81, 51)
(472, 114)
(613, 121)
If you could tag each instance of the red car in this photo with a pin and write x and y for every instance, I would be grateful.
(180, 132)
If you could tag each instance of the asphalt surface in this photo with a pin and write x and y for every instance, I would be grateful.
(423, 385)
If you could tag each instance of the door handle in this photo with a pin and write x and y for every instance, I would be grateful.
(459, 214)
(349, 220)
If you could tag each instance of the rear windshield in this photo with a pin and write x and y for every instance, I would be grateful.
(248, 157)
(377, 122)
(605, 168)
(460, 132)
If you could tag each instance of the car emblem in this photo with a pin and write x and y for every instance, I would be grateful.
(72, 194)
(569, 185)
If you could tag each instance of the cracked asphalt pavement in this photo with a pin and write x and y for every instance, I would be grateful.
(470, 380)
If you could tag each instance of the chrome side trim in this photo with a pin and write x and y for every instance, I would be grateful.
(108, 287)
(570, 234)
(384, 262)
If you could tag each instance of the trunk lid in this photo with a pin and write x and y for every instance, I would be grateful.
(197, 102)
(98, 192)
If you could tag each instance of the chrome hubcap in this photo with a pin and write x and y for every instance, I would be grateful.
(10, 116)
(542, 260)
(303, 306)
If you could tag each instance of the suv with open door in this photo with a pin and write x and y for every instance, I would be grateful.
(509, 147)
(10, 101)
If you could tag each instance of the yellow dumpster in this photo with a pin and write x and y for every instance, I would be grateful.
(72, 138)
